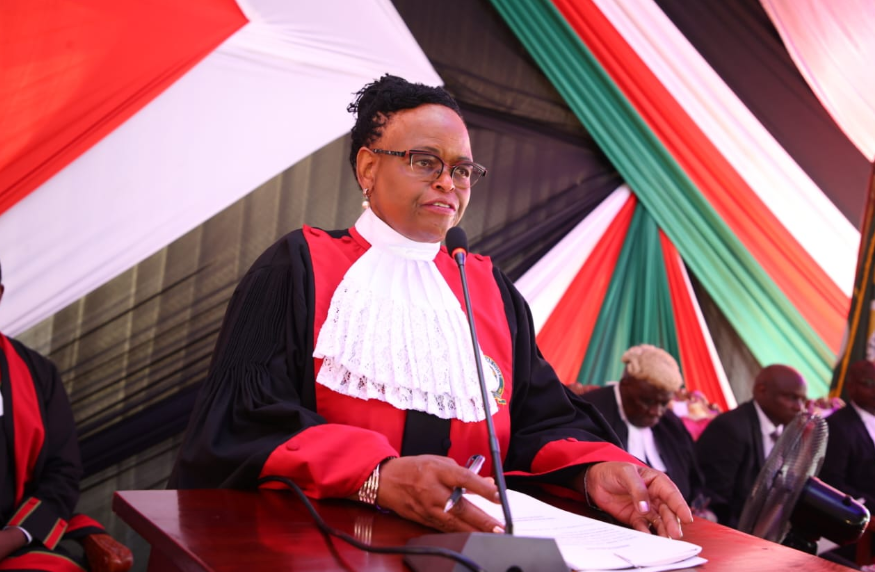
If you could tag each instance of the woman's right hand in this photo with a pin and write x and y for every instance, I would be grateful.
(417, 488)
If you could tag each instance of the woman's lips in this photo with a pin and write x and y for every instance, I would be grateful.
(441, 206)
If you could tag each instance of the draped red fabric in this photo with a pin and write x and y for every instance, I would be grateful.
(806, 285)
(699, 370)
(71, 72)
(565, 335)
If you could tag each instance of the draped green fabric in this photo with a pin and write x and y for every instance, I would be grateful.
(637, 308)
(762, 315)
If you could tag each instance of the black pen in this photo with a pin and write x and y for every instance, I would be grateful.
(475, 463)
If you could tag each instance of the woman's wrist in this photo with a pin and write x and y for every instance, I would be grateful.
(368, 492)
(582, 486)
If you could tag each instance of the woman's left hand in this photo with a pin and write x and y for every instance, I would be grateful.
(638, 496)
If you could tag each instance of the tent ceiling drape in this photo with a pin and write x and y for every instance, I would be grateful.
(233, 121)
(165, 203)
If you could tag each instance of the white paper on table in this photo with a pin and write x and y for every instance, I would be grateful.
(590, 544)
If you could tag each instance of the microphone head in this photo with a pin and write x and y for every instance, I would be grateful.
(457, 241)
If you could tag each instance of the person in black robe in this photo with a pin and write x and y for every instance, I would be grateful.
(39, 464)
(638, 405)
(344, 361)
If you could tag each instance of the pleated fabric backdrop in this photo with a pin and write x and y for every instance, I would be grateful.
(760, 263)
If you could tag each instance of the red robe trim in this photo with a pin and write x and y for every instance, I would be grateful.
(24, 511)
(40, 561)
(80, 522)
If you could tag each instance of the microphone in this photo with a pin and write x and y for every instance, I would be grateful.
(494, 552)
(457, 245)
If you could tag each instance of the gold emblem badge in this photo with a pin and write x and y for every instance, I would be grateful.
(496, 373)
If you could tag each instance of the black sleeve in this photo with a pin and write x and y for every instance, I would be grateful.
(689, 477)
(53, 492)
(543, 410)
(841, 460)
(259, 391)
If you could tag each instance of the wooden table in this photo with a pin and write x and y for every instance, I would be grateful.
(225, 530)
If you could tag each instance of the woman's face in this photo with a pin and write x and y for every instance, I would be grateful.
(420, 210)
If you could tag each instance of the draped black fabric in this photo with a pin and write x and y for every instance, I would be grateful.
(740, 43)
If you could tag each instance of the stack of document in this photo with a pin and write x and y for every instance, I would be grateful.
(588, 544)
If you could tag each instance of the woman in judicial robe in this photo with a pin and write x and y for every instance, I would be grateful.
(345, 364)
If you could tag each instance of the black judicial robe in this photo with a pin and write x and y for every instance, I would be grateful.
(40, 455)
(672, 439)
(260, 411)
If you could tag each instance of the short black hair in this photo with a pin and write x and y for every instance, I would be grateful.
(378, 100)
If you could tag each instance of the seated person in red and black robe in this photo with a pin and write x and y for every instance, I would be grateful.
(39, 463)
(345, 363)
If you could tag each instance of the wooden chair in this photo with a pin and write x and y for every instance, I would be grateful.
(106, 554)
(103, 552)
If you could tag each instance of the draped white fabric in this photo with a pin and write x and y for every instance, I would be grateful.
(833, 46)
(544, 283)
(762, 162)
(273, 93)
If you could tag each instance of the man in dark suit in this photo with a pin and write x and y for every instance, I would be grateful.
(733, 448)
(850, 452)
(637, 410)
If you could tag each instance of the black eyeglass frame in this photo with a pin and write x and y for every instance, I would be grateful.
(410, 152)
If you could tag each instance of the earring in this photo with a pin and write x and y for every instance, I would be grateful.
(366, 202)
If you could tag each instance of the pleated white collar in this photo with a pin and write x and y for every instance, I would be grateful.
(395, 331)
(381, 235)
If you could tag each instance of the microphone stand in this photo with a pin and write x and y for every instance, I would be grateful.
(460, 256)
(494, 552)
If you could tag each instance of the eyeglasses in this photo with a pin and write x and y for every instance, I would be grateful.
(429, 167)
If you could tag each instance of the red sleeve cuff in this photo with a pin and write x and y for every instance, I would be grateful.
(570, 452)
(328, 461)
(40, 521)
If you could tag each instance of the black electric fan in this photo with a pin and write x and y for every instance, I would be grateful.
(789, 504)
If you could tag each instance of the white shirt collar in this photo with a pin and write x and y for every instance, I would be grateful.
(766, 425)
(766, 430)
(381, 235)
(640, 441)
(619, 401)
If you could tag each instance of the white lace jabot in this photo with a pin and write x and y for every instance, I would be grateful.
(396, 332)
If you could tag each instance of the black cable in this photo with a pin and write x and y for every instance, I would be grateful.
(330, 531)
